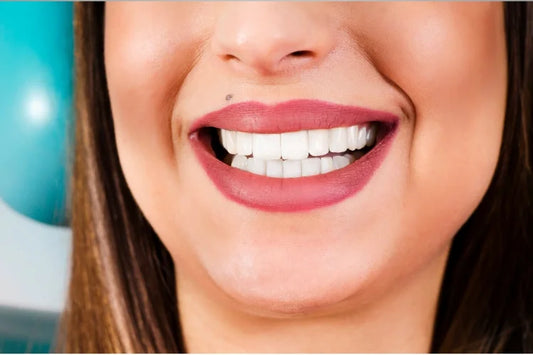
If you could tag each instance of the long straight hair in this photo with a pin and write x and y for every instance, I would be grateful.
(122, 295)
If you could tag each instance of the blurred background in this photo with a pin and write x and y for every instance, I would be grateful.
(36, 125)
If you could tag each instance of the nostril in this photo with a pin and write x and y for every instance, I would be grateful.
(228, 57)
(295, 54)
(301, 54)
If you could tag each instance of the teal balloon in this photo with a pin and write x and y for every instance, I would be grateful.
(36, 108)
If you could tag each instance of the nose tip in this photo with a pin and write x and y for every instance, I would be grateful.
(266, 56)
(269, 38)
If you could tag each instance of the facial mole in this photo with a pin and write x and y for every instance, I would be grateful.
(229, 97)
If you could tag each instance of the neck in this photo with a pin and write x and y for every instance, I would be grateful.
(399, 320)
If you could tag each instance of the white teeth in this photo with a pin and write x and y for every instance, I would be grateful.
(239, 162)
(279, 168)
(292, 168)
(326, 165)
(290, 154)
(337, 140)
(351, 157)
(294, 145)
(351, 138)
(318, 142)
(266, 146)
(229, 141)
(361, 139)
(371, 136)
(274, 168)
(244, 143)
(256, 166)
(300, 144)
(340, 161)
(310, 166)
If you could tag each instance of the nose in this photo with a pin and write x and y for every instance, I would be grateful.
(269, 38)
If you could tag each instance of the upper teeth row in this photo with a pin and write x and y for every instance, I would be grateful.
(300, 144)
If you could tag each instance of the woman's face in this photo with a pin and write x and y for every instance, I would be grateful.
(429, 78)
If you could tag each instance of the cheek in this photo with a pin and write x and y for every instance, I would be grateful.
(146, 63)
(451, 62)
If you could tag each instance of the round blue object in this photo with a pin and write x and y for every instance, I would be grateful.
(36, 109)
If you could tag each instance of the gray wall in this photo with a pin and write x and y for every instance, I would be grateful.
(34, 261)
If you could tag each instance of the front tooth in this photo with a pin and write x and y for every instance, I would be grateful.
(256, 166)
(371, 135)
(340, 161)
(292, 168)
(326, 165)
(318, 142)
(337, 140)
(239, 162)
(229, 141)
(352, 135)
(244, 143)
(274, 168)
(294, 145)
(266, 146)
(361, 139)
(310, 166)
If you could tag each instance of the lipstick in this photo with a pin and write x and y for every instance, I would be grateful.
(295, 194)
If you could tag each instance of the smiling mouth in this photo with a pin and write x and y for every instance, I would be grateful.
(293, 154)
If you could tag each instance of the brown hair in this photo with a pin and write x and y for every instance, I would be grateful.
(122, 295)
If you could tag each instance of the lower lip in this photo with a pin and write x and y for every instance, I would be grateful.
(292, 194)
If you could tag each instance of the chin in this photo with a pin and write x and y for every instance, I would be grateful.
(289, 281)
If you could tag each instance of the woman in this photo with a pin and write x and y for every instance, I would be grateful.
(267, 177)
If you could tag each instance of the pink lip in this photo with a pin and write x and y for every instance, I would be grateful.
(294, 194)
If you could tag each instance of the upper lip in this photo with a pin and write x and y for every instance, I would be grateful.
(294, 115)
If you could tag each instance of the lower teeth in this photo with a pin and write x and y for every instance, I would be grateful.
(293, 168)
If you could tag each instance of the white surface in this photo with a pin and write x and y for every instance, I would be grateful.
(34, 262)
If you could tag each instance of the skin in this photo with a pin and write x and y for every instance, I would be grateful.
(360, 275)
